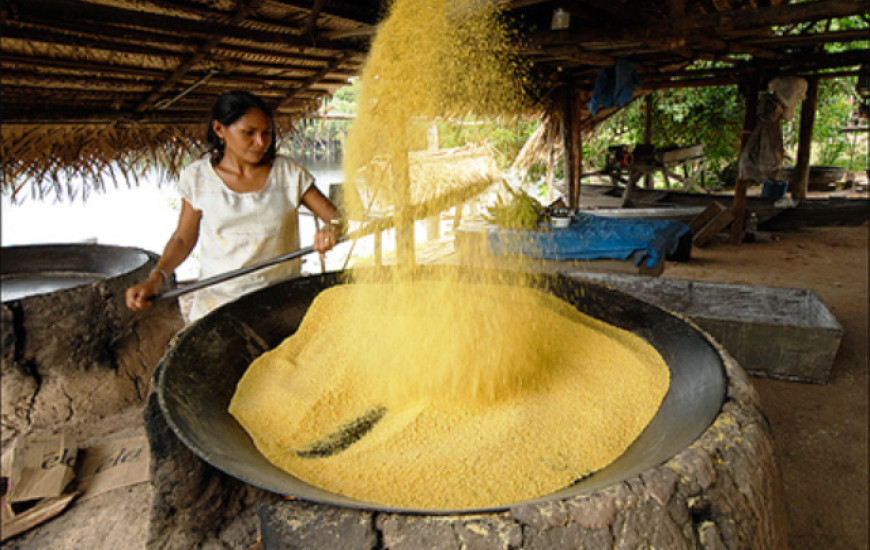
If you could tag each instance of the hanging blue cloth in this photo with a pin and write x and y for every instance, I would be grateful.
(614, 86)
(591, 237)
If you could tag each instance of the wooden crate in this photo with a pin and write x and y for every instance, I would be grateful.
(784, 333)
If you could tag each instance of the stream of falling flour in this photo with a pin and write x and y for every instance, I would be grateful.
(450, 393)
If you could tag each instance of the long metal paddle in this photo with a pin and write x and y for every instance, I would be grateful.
(221, 277)
(416, 212)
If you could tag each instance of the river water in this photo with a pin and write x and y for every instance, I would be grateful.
(142, 217)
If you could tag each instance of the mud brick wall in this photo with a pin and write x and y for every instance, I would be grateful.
(79, 352)
(193, 504)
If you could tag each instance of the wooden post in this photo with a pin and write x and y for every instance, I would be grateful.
(800, 178)
(577, 144)
(433, 221)
(402, 189)
(568, 144)
(647, 135)
(750, 119)
(572, 145)
(433, 227)
(379, 258)
(551, 156)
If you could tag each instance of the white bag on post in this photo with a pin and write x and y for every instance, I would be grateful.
(762, 155)
(789, 90)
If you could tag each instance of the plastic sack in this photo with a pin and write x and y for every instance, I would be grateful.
(789, 90)
(762, 155)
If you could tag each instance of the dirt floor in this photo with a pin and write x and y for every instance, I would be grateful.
(820, 431)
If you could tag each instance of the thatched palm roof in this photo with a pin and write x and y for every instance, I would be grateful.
(94, 84)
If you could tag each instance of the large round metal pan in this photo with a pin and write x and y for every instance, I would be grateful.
(198, 375)
(42, 269)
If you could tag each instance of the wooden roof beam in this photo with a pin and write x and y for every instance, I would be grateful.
(243, 9)
(70, 14)
(516, 4)
(730, 81)
(349, 11)
(307, 83)
(606, 6)
(366, 13)
(736, 48)
(117, 40)
(807, 65)
(781, 14)
(80, 70)
(572, 53)
(362, 31)
(80, 116)
(311, 21)
(851, 35)
(719, 23)
(676, 8)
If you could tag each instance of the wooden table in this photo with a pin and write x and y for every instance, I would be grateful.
(690, 162)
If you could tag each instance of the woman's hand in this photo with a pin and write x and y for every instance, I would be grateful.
(177, 249)
(138, 294)
(325, 239)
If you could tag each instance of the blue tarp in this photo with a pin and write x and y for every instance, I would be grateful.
(614, 86)
(591, 237)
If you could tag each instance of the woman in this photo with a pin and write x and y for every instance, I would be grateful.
(240, 203)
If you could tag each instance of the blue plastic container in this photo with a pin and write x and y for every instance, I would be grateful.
(773, 190)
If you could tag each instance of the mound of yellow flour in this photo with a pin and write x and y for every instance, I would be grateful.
(490, 394)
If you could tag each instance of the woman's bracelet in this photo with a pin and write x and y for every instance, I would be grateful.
(162, 274)
(338, 225)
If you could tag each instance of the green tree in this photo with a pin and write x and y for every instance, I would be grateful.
(837, 100)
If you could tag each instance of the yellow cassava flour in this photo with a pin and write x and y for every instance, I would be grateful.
(444, 394)
(471, 395)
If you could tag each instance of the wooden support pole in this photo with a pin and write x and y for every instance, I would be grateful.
(402, 191)
(379, 245)
(648, 133)
(801, 175)
(577, 151)
(433, 221)
(568, 144)
(551, 156)
(433, 227)
(572, 145)
(750, 119)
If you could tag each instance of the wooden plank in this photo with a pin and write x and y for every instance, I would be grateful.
(40, 513)
(702, 219)
(714, 226)
(683, 153)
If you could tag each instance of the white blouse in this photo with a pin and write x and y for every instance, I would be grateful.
(240, 229)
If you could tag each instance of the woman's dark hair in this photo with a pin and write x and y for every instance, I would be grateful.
(230, 107)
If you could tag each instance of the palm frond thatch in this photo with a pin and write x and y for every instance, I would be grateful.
(63, 161)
